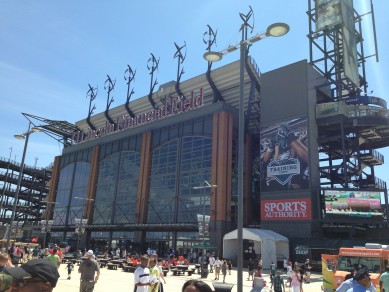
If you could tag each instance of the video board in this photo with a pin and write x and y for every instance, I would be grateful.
(353, 204)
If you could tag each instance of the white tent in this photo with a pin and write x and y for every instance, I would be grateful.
(269, 244)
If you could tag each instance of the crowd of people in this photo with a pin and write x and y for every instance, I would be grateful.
(39, 272)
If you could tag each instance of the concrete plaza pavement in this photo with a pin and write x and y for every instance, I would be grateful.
(118, 280)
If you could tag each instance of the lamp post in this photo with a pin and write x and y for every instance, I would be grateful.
(46, 227)
(17, 227)
(80, 229)
(204, 185)
(80, 223)
(46, 224)
(275, 30)
(26, 137)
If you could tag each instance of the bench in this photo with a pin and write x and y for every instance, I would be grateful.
(129, 269)
(165, 272)
(197, 267)
(112, 266)
(190, 272)
(176, 272)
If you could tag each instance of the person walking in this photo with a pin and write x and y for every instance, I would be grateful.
(251, 270)
(69, 267)
(307, 268)
(296, 278)
(211, 263)
(88, 268)
(272, 271)
(218, 265)
(161, 276)
(278, 283)
(224, 270)
(154, 275)
(142, 275)
(54, 258)
(289, 273)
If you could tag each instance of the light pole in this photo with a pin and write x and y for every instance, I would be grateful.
(20, 136)
(277, 29)
(46, 224)
(46, 227)
(204, 185)
(80, 223)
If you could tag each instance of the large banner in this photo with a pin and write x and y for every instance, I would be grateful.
(291, 209)
(283, 161)
(328, 13)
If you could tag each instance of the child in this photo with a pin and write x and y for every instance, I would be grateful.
(70, 267)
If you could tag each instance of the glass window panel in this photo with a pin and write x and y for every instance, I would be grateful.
(105, 191)
(195, 169)
(125, 203)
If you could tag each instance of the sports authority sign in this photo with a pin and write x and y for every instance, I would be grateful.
(291, 209)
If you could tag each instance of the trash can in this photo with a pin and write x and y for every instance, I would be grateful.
(204, 270)
(222, 287)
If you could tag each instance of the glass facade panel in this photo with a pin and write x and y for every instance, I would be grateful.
(165, 198)
(73, 182)
(116, 189)
(79, 192)
(195, 169)
(63, 194)
(125, 203)
(105, 192)
(161, 207)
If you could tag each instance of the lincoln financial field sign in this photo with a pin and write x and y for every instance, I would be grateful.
(172, 106)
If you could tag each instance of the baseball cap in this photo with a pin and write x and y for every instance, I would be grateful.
(362, 273)
(37, 268)
(89, 253)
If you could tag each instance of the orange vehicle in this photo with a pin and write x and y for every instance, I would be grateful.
(373, 256)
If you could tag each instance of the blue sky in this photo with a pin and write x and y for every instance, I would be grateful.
(51, 50)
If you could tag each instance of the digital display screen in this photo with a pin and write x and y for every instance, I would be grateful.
(341, 205)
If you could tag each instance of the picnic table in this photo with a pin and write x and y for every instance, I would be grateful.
(182, 267)
(129, 268)
(103, 262)
(118, 262)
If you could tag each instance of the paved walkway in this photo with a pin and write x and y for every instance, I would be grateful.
(118, 281)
